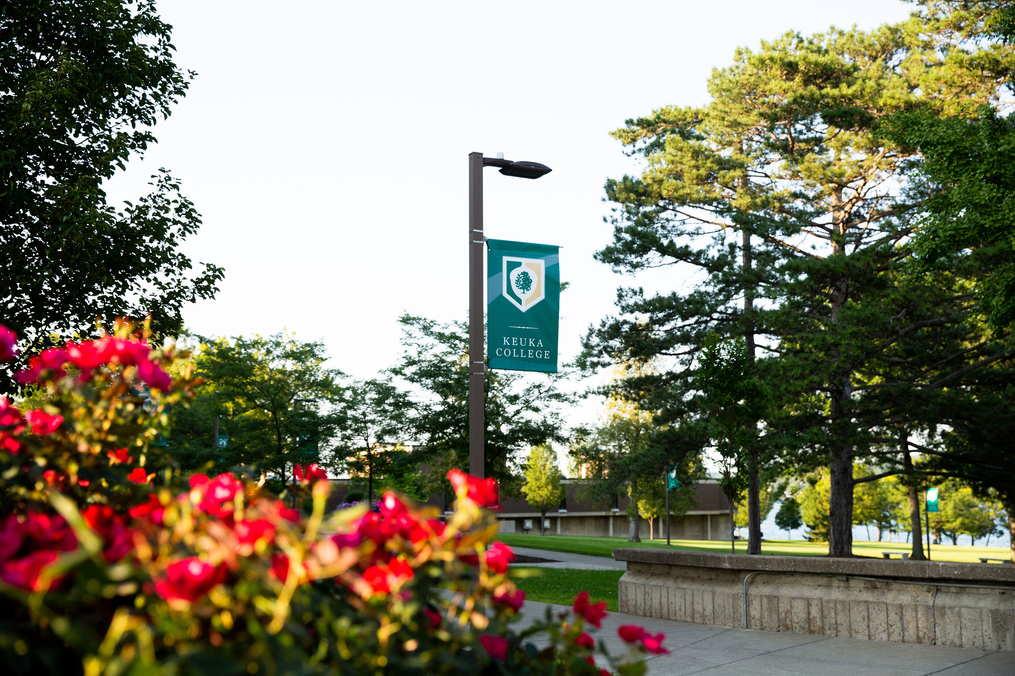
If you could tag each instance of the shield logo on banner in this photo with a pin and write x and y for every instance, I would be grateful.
(523, 281)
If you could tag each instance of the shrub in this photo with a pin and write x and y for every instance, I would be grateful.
(108, 567)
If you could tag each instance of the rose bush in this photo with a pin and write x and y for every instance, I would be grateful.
(112, 563)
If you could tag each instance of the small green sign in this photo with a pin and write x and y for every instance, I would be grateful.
(932, 500)
(223, 441)
(672, 482)
(523, 305)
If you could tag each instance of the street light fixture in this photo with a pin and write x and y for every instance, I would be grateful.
(477, 244)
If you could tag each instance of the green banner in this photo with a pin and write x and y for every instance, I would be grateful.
(523, 306)
(932, 500)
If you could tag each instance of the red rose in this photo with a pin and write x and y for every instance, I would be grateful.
(50, 532)
(9, 444)
(433, 617)
(310, 473)
(496, 646)
(281, 567)
(384, 577)
(25, 572)
(630, 633)
(483, 492)
(654, 644)
(11, 419)
(585, 641)
(249, 532)
(119, 456)
(12, 534)
(347, 539)
(138, 476)
(391, 506)
(592, 612)
(85, 356)
(189, 580)
(223, 488)
(152, 373)
(513, 601)
(152, 508)
(498, 556)
(43, 423)
(215, 496)
(8, 344)
(110, 525)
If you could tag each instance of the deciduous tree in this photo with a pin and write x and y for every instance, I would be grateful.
(83, 84)
(373, 432)
(542, 488)
(276, 398)
(521, 411)
(788, 517)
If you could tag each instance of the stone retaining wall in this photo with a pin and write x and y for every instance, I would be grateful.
(883, 600)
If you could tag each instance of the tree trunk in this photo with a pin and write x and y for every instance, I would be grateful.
(542, 523)
(840, 500)
(635, 526)
(1010, 507)
(915, 524)
(733, 534)
(754, 479)
(651, 528)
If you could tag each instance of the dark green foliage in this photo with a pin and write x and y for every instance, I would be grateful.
(276, 401)
(969, 166)
(373, 428)
(521, 411)
(796, 216)
(83, 83)
(788, 517)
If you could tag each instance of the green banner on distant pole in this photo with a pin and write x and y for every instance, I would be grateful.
(932, 500)
(523, 306)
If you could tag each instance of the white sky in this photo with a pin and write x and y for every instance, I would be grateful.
(325, 143)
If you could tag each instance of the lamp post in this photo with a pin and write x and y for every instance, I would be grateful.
(477, 243)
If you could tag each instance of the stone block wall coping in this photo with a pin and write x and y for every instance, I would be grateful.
(920, 571)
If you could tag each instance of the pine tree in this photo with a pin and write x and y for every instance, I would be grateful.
(781, 193)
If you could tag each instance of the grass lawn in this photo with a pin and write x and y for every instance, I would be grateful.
(594, 546)
(561, 585)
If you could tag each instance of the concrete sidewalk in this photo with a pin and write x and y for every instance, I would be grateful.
(563, 560)
(721, 651)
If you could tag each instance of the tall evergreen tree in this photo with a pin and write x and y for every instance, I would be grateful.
(789, 206)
